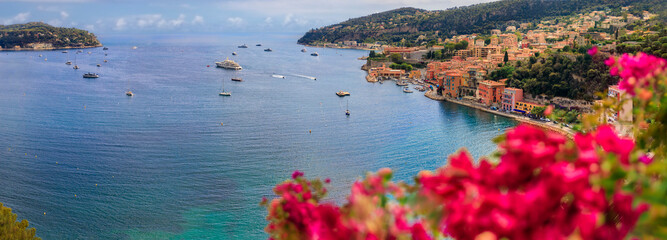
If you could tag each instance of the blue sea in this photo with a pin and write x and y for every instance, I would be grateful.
(81, 160)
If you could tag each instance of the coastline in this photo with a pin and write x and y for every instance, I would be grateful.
(48, 49)
(338, 47)
(547, 126)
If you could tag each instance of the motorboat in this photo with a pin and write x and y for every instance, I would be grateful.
(277, 76)
(304, 50)
(129, 93)
(235, 79)
(342, 93)
(234, 53)
(401, 83)
(314, 54)
(68, 63)
(90, 75)
(259, 45)
(407, 90)
(76, 67)
(106, 48)
(99, 65)
(268, 50)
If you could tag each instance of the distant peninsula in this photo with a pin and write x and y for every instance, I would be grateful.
(412, 26)
(42, 36)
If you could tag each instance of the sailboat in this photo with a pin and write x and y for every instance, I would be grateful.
(347, 108)
(223, 93)
(68, 61)
(75, 66)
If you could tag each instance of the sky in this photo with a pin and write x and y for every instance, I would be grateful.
(202, 16)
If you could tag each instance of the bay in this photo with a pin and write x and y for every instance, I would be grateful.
(80, 160)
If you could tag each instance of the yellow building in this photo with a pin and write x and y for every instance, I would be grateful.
(525, 107)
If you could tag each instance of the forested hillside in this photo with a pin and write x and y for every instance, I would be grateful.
(37, 32)
(414, 24)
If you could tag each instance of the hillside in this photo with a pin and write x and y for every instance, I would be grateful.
(36, 35)
(411, 23)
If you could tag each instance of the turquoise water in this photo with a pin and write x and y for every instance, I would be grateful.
(80, 160)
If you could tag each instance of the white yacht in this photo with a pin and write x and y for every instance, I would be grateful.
(228, 64)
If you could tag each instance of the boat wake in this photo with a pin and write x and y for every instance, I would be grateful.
(304, 76)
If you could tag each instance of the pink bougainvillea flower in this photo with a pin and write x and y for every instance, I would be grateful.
(607, 138)
(646, 159)
(297, 174)
(592, 51)
(635, 70)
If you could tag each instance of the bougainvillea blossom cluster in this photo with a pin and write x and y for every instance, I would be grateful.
(636, 70)
(540, 189)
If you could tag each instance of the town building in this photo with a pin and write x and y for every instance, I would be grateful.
(490, 92)
(510, 98)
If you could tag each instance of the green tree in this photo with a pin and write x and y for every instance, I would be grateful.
(396, 58)
(11, 229)
(506, 58)
(538, 111)
(372, 54)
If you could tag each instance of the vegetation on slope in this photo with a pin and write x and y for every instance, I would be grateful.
(411, 26)
(37, 32)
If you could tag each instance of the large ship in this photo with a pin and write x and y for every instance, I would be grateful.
(229, 64)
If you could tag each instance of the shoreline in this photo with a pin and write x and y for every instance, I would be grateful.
(353, 48)
(525, 120)
(48, 49)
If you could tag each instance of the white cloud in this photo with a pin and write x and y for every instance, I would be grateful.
(177, 22)
(55, 22)
(148, 20)
(198, 20)
(19, 18)
(236, 21)
(64, 14)
(288, 19)
(121, 23)
(268, 20)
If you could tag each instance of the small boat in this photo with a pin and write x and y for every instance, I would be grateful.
(304, 50)
(347, 109)
(314, 54)
(90, 75)
(237, 79)
(400, 83)
(80, 51)
(106, 48)
(90, 53)
(277, 76)
(135, 47)
(68, 63)
(342, 93)
(129, 93)
(243, 46)
(40, 55)
(268, 50)
(106, 61)
(99, 65)
(64, 51)
(259, 45)
(407, 90)
(106, 54)
(45, 59)
(234, 53)
(76, 67)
